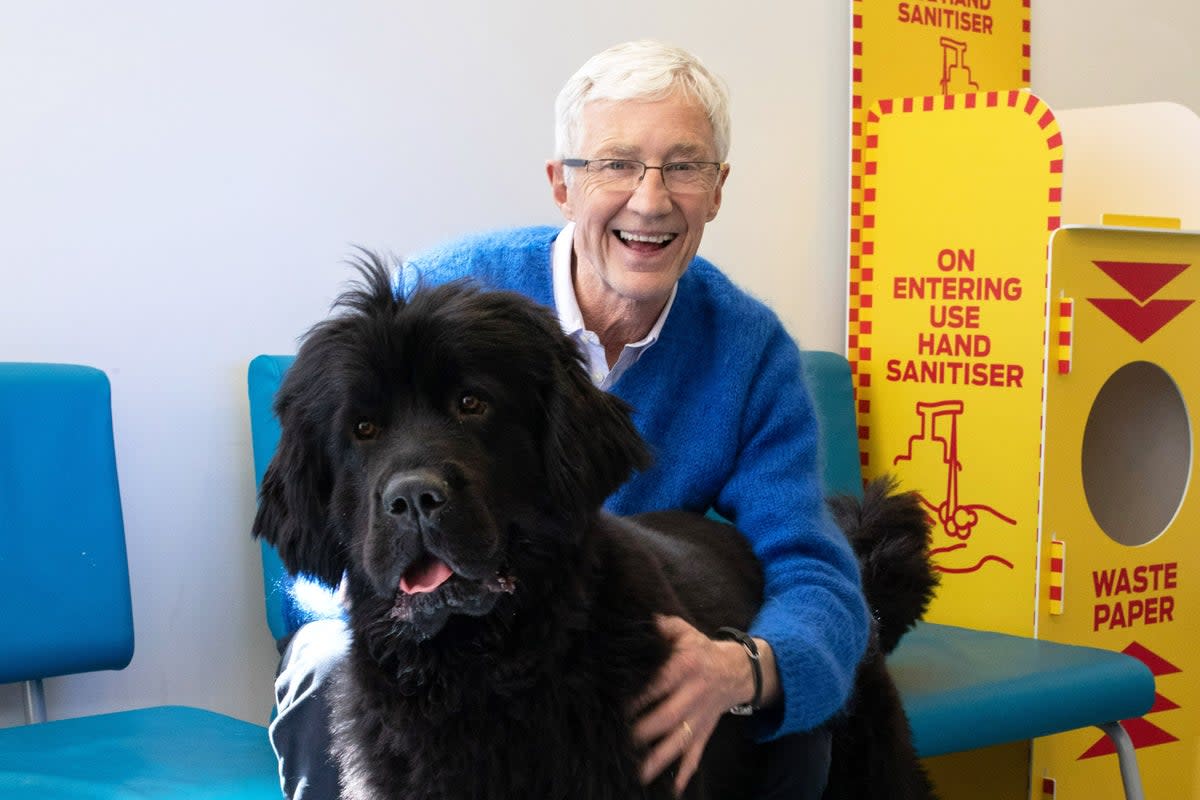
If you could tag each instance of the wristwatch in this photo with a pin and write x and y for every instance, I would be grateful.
(745, 640)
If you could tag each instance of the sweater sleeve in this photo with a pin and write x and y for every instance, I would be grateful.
(813, 615)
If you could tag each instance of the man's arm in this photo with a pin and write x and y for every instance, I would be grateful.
(814, 618)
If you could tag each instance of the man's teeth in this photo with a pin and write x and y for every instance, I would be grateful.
(661, 238)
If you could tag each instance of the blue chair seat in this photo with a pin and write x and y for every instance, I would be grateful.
(162, 752)
(964, 688)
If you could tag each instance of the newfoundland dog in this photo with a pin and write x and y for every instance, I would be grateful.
(448, 455)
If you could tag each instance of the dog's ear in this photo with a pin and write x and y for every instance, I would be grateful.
(293, 506)
(592, 446)
(294, 500)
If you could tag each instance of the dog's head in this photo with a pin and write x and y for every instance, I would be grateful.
(424, 442)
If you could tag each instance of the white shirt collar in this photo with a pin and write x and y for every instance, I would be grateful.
(565, 302)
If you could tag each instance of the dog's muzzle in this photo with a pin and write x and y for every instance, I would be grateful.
(440, 578)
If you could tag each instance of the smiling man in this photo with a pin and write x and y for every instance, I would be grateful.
(642, 138)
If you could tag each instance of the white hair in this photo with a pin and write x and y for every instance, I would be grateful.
(647, 71)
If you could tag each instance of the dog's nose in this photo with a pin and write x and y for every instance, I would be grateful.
(415, 495)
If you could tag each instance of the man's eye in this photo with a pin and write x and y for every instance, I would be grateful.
(470, 405)
(620, 166)
(365, 430)
(682, 166)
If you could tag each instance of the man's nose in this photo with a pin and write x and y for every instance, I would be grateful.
(651, 196)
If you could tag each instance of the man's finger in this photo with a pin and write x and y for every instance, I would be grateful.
(688, 766)
(662, 686)
(666, 681)
(668, 750)
(664, 719)
(672, 627)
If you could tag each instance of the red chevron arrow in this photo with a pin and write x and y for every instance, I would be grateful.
(1141, 733)
(1142, 279)
(1140, 321)
(1157, 664)
(1162, 704)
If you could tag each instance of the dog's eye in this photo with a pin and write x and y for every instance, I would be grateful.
(471, 405)
(364, 429)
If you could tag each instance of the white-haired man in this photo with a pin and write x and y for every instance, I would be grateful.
(642, 139)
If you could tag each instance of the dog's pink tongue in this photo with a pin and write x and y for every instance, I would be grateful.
(425, 576)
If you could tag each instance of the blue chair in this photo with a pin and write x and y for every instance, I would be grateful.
(962, 689)
(65, 609)
(263, 380)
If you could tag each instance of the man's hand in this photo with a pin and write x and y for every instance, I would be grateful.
(679, 710)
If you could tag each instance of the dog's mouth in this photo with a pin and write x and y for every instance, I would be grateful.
(429, 592)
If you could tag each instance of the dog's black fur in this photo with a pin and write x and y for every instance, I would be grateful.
(456, 433)
(872, 745)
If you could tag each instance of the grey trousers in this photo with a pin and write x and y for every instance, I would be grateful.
(797, 765)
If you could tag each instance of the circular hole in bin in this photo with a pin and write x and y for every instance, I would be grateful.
(1137, 453)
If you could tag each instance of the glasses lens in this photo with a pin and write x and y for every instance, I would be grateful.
(689, 177)
(615, 173)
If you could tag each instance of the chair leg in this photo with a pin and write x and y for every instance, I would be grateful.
(35, 701)
(1127, 758)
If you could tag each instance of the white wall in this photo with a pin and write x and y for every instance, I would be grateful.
(179, 182)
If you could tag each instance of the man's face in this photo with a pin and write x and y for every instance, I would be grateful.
(634, 246)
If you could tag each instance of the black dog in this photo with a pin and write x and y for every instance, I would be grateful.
(449, 455)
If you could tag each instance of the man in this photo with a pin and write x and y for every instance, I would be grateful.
(642, 137)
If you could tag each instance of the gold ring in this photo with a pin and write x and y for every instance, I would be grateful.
(687, 732)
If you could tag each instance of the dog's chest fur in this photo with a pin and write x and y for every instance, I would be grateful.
(539, 711)
(573, 747)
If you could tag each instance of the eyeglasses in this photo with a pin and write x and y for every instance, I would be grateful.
(624, 175)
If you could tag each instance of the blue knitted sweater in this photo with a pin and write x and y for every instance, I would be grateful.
(721, 400)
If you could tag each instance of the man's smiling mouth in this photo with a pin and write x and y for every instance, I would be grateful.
(645, 241)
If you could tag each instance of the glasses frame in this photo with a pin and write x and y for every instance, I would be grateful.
(582, 163)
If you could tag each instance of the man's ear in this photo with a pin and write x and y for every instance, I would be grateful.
(718, 193)
(556, 173)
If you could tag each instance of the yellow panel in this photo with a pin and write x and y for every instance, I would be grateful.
(1134, 305)
(1140, 221)
(991, 773)
(960, 194)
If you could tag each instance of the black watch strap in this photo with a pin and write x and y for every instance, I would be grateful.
(745, 640)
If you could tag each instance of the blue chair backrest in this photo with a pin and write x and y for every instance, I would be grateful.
(828, 376)
(65, 607)
(829, 383)
(263, 380)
